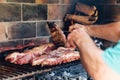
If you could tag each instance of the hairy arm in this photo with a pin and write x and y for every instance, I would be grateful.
(90, 54)
(109, 31)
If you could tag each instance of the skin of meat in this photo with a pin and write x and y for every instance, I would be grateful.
(13, 57)
(39, 60)
(61, 55)
(28, 55)
(53, 60)
(25, 59)
(52, 57)
(71, 56)
(63, 49)
(45, 48)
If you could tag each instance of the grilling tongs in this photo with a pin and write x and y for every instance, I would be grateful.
(57, 35)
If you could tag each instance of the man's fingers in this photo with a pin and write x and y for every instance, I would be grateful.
(70, 42)
(67, 44)
(73, 27)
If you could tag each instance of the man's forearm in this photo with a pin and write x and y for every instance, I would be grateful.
(90, 54)
(109, 31)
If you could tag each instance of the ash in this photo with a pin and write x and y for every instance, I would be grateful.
(76, 72)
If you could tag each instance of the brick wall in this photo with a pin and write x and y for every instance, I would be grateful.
(24, 21)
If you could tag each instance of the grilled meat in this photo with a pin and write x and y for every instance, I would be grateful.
(44, 48)
(70, 56)
(53, 60)
(39, 60)
(25, 59)
(13, 57)
(27, 56)
(57, 35)
(58, 56)
(44, 55)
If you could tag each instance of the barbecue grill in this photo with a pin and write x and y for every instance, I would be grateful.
(9, 71)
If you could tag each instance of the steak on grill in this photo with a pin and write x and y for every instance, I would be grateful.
(44, 55)
(58, 56)
(27, 56)
(13, 57)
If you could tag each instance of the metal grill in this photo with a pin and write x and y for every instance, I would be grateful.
(9, 71)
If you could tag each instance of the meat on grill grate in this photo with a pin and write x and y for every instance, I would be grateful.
(61, 55)
(44, 55)
(10, 71)
(27, 56)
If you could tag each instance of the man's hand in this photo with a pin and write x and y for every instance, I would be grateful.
(77, 26)
(78, 33)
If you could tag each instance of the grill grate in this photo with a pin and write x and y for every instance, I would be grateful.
(9, 71)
